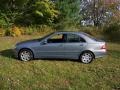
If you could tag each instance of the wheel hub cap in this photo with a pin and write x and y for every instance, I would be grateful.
(25, 56)
(86, 58)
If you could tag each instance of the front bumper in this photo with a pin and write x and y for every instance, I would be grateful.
(15, 51)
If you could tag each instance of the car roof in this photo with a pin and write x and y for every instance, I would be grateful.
(73, 32)
(82, 34)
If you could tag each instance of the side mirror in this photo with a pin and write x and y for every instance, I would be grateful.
(44, 42)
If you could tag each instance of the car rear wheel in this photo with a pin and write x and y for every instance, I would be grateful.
(86, 57)
(26, 55)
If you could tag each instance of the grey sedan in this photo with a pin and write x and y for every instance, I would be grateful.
(67, 45)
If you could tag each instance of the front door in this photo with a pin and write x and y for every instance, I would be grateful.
(53, 48)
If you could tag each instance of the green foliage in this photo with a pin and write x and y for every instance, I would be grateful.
(39, 12)
(2, 32)
(7, 19)
(15, 5)
(10, 10)
(70, 10)
(44, 12)
(3, 20)
(112, 31)
(27, 12)
(99, 12)
(36, 30)
(7, 32)
(94, 31)
(59, 14)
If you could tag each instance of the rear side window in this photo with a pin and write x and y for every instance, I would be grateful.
(93, 38)
(74, 38)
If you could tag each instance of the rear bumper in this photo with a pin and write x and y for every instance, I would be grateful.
(100, 54)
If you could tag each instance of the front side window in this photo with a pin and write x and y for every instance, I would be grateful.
(57, 38)
(74, 38)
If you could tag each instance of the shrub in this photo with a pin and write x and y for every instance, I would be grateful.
(42, 29)
(15, 31)
(2, 32)
(94, 31)
(45, 29)
(112, 32)
(7, 32)
(27, 30)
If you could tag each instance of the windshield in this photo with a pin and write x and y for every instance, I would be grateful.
(45, 36)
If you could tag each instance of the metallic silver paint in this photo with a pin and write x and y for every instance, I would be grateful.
(42, 49)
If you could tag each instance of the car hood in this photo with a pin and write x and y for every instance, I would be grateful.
(28, 42)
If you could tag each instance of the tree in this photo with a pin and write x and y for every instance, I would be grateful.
(69, 12)
(93, 10)
(97, 11)
(11, 10)
(27, 12)
(44, 12)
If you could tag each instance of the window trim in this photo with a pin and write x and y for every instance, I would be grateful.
(53, 36)
(78, 41)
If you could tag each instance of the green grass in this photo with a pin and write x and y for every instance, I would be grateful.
(102, 74)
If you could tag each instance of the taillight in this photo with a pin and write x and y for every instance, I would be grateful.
(103, 46)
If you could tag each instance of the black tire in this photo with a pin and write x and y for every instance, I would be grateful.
(86, 57)
(29, 55)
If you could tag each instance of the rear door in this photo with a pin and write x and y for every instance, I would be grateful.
(74, 45)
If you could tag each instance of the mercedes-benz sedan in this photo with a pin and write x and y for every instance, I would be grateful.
(67, 45)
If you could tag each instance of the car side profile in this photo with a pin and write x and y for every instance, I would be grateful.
(67, 45)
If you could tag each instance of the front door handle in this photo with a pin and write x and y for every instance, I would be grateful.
(81, 44)
(61, 45)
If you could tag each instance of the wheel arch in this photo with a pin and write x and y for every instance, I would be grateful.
(87, 51)
(25, 49)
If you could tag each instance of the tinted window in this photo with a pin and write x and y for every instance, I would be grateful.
(74, 38)
(58, 38)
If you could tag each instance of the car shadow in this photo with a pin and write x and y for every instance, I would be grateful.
(7, 53)
(58, 59)
(10, 54)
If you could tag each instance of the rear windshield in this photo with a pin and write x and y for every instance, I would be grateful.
(90, 36)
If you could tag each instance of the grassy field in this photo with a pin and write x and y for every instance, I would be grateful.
(102, 74)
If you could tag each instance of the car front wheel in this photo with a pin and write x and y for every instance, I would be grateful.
(25, 55)
(86, 57)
